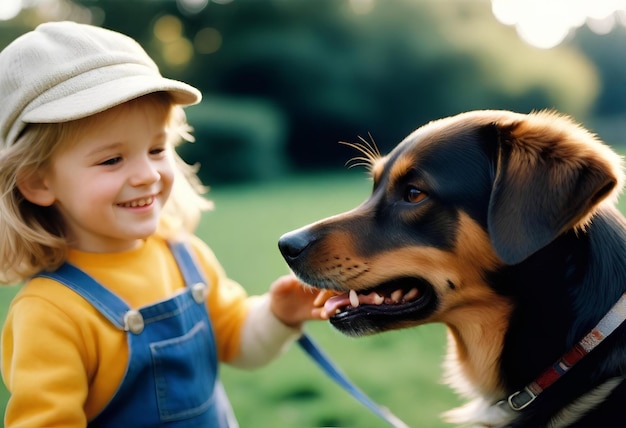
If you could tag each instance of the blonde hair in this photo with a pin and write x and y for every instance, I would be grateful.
(32, 236)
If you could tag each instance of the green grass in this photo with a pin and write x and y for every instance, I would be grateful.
(400, 370)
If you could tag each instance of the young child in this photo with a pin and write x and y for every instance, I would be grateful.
(124, 313)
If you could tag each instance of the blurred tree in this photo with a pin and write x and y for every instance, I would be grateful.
(609, 107)
(338, 74)
(325, 71)
(238, 139)
(606, 52)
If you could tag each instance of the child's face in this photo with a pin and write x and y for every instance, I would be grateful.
(111, 184)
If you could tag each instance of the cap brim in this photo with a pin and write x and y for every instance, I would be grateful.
(67, 103)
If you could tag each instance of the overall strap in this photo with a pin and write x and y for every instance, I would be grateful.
(192, 275)
(186, 264)
(111, 306)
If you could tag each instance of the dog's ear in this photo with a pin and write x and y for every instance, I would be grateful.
(550, 175)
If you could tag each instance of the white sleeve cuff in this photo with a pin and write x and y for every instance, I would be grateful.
(263, 336)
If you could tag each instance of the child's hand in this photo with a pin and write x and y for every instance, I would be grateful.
(294, 302)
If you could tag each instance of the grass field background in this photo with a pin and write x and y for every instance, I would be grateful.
(400, 370)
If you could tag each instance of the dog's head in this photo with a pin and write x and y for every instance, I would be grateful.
(458, 199)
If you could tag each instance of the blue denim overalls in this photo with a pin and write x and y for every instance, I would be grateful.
(171, 378)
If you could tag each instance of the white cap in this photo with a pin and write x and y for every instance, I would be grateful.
(63, 71)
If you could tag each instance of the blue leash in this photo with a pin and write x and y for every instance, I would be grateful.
(315, 352)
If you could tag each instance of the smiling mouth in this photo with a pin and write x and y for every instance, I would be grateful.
(137, 203)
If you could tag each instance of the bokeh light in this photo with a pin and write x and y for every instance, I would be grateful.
(168, 28)
(361, 7)
(193, 6)
(547, 23)
(208, 40)
(175, 48)
(9, 9)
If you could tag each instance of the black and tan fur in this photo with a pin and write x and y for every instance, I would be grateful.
(506, 225)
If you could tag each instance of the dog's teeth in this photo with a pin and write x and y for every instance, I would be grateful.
(378, 299)
(354, 299)
(411, 294)
(396, 296)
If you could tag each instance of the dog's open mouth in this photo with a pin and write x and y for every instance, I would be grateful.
(377, 297)
(395, 297)
(397, 303)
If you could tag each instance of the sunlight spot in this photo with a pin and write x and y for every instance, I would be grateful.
(547, 23)
(193, 6)
(9, 9)
(168, 28)
(600, 9)
(361, 7)
(208, 40)
(603, 25)
(179, 52)
(176, 49)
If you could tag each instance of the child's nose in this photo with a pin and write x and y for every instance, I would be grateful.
(145, 171)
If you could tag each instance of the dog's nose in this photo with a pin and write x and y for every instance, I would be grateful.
(293, 243)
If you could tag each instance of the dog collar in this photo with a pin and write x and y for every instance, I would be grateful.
(607, 325)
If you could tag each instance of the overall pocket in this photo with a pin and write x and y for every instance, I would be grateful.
(185, 373)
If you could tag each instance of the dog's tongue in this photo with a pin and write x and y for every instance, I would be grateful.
(354, 299)
(331, 305)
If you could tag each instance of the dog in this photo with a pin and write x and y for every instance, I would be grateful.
(503, 227)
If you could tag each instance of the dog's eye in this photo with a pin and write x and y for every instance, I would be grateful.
(414, 195)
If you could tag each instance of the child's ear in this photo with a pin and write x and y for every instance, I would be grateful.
(32, 185)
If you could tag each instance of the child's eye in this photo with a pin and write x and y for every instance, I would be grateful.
(157, 150)
(111, 161)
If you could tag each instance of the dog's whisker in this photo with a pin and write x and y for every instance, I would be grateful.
(359, 161)
(370, 154)
(470, 257)
(371, 145)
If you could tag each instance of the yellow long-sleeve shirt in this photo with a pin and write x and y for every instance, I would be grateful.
(62, 361)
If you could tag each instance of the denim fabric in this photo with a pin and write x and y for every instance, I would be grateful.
(172, 375)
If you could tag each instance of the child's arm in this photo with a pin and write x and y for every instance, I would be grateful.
(263, 336)
(42, 367)
(274, 321)
(251, 331)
